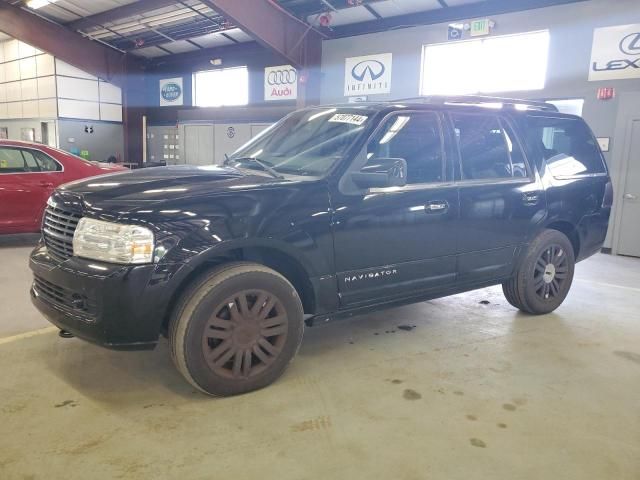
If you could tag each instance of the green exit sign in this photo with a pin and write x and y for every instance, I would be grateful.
(480, 27)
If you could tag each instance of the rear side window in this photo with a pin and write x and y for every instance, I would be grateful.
(488, 150)
(567, 146)
(46, 163)
(12, 161)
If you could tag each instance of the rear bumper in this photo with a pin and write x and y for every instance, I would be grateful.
(114, 306)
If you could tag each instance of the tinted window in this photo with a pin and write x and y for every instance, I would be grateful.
(567, 145)
(46, 163)
(12, 161)
(487, 151)
(307, 142)
(416, 138)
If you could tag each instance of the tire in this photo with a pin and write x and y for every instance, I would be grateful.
(236, 329)
(543, 278)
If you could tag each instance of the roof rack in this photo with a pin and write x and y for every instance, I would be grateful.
(480, 100)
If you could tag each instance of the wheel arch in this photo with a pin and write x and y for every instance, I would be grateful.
(569, 229)
(290, 265)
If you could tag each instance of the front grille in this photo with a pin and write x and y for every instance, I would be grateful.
(73, 303)
(58, 227)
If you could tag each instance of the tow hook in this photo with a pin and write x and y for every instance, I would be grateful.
(65, 334)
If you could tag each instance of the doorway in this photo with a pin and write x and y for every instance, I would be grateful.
(629, 229)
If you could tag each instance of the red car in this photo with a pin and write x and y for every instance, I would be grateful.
(29, 172)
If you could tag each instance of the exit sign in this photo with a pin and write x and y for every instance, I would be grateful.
(480, 27)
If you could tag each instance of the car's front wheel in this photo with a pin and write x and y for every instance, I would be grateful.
(236, 329)
(543, 278)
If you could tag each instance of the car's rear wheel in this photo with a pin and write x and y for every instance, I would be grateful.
(544, 276)
(236, 329)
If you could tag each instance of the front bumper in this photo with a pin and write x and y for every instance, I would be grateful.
(115, 306)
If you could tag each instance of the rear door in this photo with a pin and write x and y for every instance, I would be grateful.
(25, 185)
(501, 197)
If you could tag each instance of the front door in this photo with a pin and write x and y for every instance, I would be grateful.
(500, 198)
(629, 236)
(399, 241)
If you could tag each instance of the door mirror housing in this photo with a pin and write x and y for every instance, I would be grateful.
(381, 173)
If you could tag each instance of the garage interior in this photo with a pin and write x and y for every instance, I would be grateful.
(458, 387)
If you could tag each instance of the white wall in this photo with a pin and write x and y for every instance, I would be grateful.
(34, 84)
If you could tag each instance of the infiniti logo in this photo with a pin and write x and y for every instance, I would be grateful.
(631, 44)
(373, 68)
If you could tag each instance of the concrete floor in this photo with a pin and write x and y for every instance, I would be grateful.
(474, 391)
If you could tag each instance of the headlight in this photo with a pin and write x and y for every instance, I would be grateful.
(113, 242)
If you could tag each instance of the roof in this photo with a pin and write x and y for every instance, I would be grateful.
(155, 28)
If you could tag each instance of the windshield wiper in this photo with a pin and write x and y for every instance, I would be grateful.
(264, 165)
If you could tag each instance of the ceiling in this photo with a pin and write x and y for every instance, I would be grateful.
(155, 28)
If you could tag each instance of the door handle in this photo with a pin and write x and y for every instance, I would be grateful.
(437, 206)
(45, 184)
(530, 198)
(630, 196)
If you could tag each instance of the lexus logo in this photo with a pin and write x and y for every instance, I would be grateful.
(371, 68)
(631, 44)
(282, 77)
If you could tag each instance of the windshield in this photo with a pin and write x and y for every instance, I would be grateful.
(307, 142)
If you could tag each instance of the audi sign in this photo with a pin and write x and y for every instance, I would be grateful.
(280, 83)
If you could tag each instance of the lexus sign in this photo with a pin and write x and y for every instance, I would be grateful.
(280, 83)
(368, 75)
(616, 53)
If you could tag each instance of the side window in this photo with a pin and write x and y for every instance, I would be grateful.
(11, 161)
(567, 145)
(30, 161)
(46, 163)
(487, 150)
(416, 138)
(518, 164)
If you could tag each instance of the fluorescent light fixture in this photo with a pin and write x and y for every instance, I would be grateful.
(36, 4)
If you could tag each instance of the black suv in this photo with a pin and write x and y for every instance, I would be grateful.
(331, 212)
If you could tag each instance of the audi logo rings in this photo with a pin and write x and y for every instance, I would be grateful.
(282, 77)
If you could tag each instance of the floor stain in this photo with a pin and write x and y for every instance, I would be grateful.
(397, 381)
(151, 405)
(406, 328)
(510, 407)
(476, 442)
(520, 401)
(66, 403)
(631, 356)
(458, 392)
(485, 302)
(315, 424)
(410, 394)
(502, 425)
(473, 418)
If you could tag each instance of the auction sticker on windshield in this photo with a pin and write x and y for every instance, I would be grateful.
(348, 118)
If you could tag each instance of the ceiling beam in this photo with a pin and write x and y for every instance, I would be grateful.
(449, 14)
(69, 46)
(274, 27)
(118, 13)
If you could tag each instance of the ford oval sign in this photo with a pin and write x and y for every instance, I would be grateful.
(171, 92)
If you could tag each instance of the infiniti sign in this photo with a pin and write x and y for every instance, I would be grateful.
(368, 75)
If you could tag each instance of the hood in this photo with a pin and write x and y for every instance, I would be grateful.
(158, 184)
(136, 189)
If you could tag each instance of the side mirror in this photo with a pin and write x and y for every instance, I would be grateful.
(383, 172)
